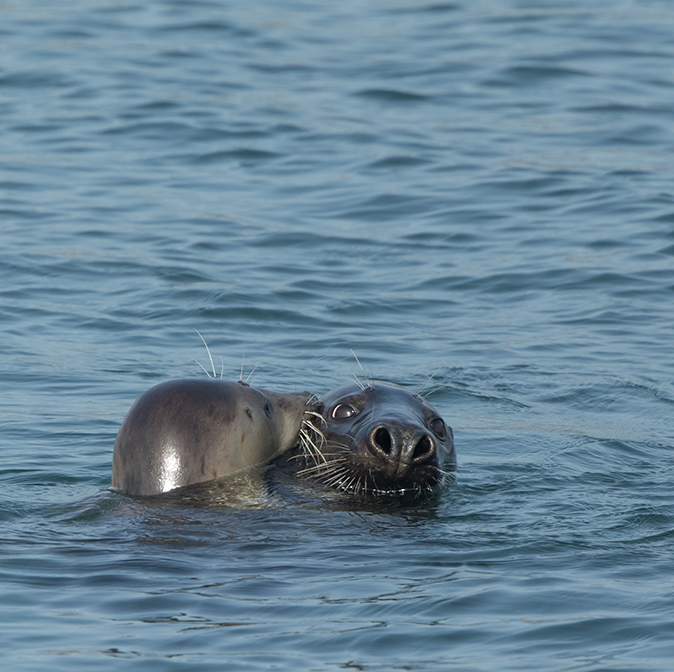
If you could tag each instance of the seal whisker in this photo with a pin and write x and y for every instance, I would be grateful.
(316, 465)
(208, 350)
(335, 478)
(332, 469)
(355, 379)
(250, 374)
(435, 389)
(335, 475)
(310, 425)
(321, 462)
(361, 368)
(321, 469)
(311, 448)
(313, 435)
(428, 380)
(202, 366)
(322, 466)
(349, 483)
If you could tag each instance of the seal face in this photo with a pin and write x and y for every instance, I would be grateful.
(190, 431)
(379, 439)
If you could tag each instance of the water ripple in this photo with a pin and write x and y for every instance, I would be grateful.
(474, 198)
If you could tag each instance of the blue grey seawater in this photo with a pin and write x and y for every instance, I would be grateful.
(476, 190)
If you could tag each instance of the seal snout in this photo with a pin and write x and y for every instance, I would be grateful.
(401, 448)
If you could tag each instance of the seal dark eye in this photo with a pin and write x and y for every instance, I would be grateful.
(268, 410)
(438, 427)
(343, 411)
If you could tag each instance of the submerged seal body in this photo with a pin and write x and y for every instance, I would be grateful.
(190, 431)
(378, 439)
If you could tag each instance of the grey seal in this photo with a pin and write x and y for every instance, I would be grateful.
(191, 431)
(377, 438)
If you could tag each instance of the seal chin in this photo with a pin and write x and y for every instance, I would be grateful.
(378, 440)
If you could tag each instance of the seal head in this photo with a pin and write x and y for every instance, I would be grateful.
(379, 439)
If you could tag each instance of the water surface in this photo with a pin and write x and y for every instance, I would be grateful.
(479, 191)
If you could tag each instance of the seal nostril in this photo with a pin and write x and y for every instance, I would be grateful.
(424, 449)
(382, 440)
